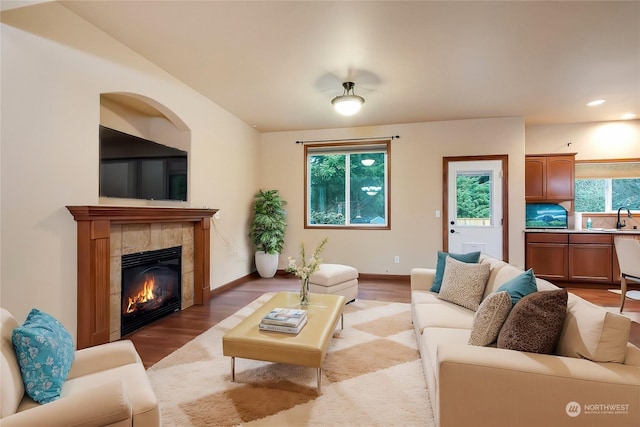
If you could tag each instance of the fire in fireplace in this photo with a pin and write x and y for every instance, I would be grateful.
(151, 287)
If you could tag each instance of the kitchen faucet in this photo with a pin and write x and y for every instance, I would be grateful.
(619, 224)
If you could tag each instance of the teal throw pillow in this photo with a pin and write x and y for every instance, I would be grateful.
(470, 258)
(520, 286)
(45, 350)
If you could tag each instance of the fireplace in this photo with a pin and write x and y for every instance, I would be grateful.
(151, 287)
(96, 247)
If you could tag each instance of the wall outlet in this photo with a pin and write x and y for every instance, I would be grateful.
(396, 259)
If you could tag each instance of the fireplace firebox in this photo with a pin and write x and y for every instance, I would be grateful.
(151, 287)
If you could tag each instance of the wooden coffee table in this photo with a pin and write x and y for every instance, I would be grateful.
(307, 348)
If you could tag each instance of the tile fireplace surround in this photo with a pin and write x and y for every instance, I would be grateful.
(107, 232)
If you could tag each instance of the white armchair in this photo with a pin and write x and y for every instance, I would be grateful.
(107, 385)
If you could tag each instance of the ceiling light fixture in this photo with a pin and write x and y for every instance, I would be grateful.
(367, 162)
(348, 103)
(595, 103)
(628, 116)
(371, 190)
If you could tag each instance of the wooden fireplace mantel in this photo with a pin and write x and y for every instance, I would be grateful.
(94, 235)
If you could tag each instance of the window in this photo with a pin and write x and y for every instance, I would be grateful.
(473, 199)
(607, 186)
(347, 185)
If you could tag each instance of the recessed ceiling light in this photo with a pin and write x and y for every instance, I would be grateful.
(595, 103)
(628, 116)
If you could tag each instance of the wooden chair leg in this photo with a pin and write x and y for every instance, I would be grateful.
(623, 293)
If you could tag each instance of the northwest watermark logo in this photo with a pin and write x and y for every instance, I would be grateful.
(573, 409)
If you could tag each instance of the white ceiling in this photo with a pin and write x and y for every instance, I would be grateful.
(277, 65)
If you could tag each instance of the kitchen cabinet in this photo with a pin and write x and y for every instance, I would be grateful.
(591, 258)
(548, 255)
(549, 177)
(580, 257)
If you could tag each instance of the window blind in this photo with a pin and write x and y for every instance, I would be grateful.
(595, 170)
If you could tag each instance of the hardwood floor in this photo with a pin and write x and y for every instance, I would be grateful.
(166, 335)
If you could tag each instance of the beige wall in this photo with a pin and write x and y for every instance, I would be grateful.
(592, 141)
(416, 190)
(54, 68)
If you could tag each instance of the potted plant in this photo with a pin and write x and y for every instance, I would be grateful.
(267, 230)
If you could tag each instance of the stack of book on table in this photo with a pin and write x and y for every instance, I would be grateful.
(289, 320)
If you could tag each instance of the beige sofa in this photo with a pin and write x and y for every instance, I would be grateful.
(107, 385)
(489, 386)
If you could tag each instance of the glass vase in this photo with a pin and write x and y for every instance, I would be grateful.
(305, 293)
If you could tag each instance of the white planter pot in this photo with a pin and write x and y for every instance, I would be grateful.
(267, 264)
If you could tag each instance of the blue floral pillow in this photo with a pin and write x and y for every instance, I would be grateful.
(45, 352)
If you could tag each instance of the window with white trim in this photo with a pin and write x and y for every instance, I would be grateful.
(347, 185)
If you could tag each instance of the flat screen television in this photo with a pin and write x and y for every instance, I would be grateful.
(136, 168)
(545, 215)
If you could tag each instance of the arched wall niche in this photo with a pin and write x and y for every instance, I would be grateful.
(141, 116)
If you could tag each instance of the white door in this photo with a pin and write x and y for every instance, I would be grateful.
(474, 208)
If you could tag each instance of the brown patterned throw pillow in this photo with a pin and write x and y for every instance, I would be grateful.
(463, 284)
(489, 318)
(535, 323)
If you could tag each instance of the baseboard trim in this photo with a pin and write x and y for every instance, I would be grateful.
(398, 277)
(581, 285)
(233, 284)
(253, 276)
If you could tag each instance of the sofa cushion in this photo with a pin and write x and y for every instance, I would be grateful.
(423, 297)
(431, 340)
(495, 267)
(519, 286)
(471, 257)
(45, 352)
(593, 333)
(535, 323)
(463, 283)
(544, 285)
(443, 315)
(489, 318)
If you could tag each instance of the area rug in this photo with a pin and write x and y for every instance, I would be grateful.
(372, 376)
(634, 295)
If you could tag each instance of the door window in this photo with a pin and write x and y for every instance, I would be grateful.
(473, 199)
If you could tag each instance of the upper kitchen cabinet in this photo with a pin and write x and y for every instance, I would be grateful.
(549, 177)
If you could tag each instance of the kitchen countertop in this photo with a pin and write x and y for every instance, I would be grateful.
(583, 231)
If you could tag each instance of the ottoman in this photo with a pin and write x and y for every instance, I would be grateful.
(336, 279)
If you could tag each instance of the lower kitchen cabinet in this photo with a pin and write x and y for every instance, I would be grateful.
(572, 257)
(548, 255)
(590, 257)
